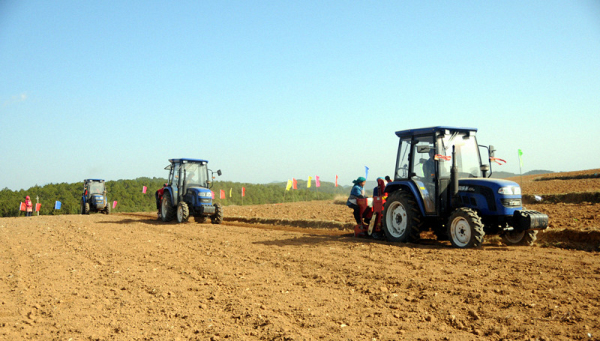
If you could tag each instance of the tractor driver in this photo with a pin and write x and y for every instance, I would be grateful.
(429, 167)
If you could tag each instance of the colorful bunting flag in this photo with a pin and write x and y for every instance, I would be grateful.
(289, 185)
(144, 189)
(366, 172)
(57, 205)
(230, 192)
(317, 181)
(294, 184)
(38, 206)
(243, 191)
(114, 204)
(336, 179)
(222, 194)
(22, 207)
(212, 195)
(308, 183)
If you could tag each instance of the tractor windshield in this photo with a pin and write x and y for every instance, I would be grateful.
(196, 174)
(467, 155)
(96, 187)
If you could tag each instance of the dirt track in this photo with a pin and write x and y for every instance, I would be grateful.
(130, 277)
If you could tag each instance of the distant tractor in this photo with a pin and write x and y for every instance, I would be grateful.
(94, 197)
(187, 192)
(440, 182)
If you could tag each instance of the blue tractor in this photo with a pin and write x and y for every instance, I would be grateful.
(188, 192)
(441, 183)
(94, 197)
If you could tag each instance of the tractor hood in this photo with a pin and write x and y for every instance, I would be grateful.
(466, 185)
(200, 191)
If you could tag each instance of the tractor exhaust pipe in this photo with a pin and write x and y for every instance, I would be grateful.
(454, 177)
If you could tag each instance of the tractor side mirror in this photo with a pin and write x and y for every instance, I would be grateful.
(219, 172)
(492, 151)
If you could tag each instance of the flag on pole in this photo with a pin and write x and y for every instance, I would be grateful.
(22, 207)
(317, 182)
(336, 179)
(38, 206)
(520, 157)
(366, 172)
(289, 185)
(222, 194)
(144, 189)
(309, 181)
(57, 205)
(212, 194)
(294, 184)
(230, 192)
(243, 191)
(114, 204)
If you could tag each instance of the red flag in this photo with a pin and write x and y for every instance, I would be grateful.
(317, 182)
(144, 189)
(22, 207)
(243, 191)
(37, 207)
(222, 194)
(212, 194)
(294, 184)
(114, 204)
(336, 178)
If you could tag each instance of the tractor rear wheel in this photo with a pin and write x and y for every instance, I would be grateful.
(183, 212)
(523, 238)
(217, 218)
(401, 218)
(167, 211)
(465, 228)
(86, 208)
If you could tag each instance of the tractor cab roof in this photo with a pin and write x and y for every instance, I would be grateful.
(95, 180)
(431, 130)
(185, 160)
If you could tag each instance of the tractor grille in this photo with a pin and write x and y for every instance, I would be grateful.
(511, 202)
(205, 201)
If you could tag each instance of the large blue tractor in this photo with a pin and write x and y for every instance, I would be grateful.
(188, 192)
(441, 183)
(94, 197)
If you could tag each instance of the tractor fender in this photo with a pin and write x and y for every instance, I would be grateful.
(407, 186)
(169, 191)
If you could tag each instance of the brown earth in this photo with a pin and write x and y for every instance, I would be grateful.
(131, 277)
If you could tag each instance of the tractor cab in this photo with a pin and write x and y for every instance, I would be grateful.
(425, 160)
(188, 192)
(94, 198)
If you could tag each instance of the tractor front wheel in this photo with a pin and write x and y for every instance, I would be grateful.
(465, 228)
(523, 238)
(217, 218)
(183, 212)
(167, 211)
(401, 218)
(86, 208)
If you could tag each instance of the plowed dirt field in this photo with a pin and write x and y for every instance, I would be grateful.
(293, 271)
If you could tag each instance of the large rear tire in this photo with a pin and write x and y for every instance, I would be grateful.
(401, 218)
(217, 218)
(167, 211)
(523, 238)
(183, 212)
(465, 228)
(86, 208)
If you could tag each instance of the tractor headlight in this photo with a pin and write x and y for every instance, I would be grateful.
(510, 190)
(204, 194)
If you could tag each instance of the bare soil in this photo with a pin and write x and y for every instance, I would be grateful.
(293, 271)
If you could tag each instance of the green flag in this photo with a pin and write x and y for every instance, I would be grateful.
(520, 157)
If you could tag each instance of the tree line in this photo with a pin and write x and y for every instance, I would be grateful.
(130, 198)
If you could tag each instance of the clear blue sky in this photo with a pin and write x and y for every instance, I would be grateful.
(274, 90)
